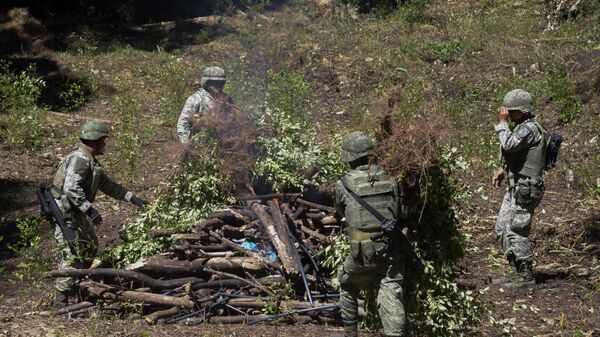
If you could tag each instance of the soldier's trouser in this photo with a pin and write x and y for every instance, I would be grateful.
(354, 277)
(513, 226)
(86, 247)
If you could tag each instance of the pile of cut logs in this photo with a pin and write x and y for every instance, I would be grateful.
(250, 263)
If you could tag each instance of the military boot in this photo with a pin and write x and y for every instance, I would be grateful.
(61, 299)
(524, 270)
(350, 328)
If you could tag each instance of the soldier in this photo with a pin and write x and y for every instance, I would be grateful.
(523, 156)
(211, 92)
(77, 180)
(365, 265)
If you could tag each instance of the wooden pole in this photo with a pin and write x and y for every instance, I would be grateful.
(280, 240)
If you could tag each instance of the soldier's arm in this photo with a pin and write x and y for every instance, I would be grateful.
(340, 201)
(184, 124)
(76, 172)
(113, 189)
(511, 141)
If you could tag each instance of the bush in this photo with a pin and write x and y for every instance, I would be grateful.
(22, 120)
(35, 261)
(289, 151)
(194, 189)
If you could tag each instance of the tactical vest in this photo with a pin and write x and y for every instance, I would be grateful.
(529, 162)
(375, 187)
(90, 187)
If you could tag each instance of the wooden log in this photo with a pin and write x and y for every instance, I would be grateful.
(155, 316)
(161, 232)
(158, 266)
(268, 196)
(229, 217)
(287, 210)
(314, 205)
(209, 224)
(233, 232)
(259, 304)
(205, 248)
(141, 279)
(280, 239)
(236, 263)
(230, 244)
(241, 319)
(223, 283)
(312, 233)
(157, 299)
(186, 237)
(62, 311)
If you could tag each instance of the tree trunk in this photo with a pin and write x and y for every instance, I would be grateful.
(280, 240)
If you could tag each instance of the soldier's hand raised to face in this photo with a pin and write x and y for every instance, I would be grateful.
(503, 114)
(498, 177)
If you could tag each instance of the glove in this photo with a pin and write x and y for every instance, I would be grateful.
(94, 215)
(139, 202)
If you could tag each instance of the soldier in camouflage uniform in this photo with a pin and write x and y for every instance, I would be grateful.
(210, 94)
(523, 156)
(78, 178)
(364, 265)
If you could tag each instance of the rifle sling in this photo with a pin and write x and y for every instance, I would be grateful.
(363, 203)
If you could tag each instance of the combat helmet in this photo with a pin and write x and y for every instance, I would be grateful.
(356, 145)
(93, 130)
(518, 99)
(212, 74)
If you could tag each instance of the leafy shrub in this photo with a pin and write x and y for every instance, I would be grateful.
(129, 134)
(193, 190)
(289, 92)
(29, 246)
(563, 95)
(289, 151)
(74, 96)
(444, 51)
(172, 74)
(21, 117)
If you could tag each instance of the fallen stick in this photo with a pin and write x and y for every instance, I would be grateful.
(298, 319)
(155, 299)
(313, 205)
(259, 304)
(268, 196)
(293, 314)
(155, 316)
(235, 283)
(205, 248)
(125, 274)
(313, 233)
(62, 311)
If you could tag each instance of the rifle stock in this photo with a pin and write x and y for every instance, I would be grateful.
(51, 212)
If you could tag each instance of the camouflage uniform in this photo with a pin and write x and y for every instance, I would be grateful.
(79, 177)
(195, 106)
(199, 103)
(364, 266)
(523, 153)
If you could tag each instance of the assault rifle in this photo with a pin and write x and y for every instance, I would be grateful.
(391, 233)
(51, 212)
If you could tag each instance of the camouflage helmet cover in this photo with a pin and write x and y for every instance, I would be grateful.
(212, 74)
(356, 145)
(518, 99)
(93, 130)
